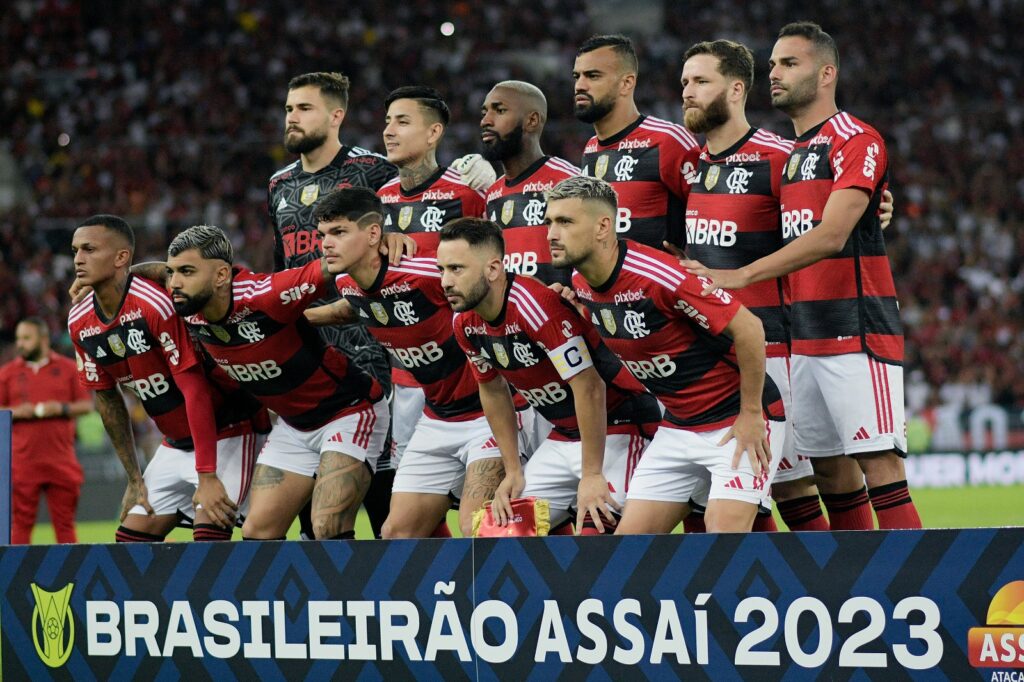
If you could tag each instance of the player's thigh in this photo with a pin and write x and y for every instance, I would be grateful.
(533, 430)
(814, 430)
(275, 498)
(415, 515)
(729, 515)
(434, 459)
(170, 483)
(551, 475)
(664, 472)
(792, 467)
(406, 411)
(649, 516)
(236, 463)
(739, 483)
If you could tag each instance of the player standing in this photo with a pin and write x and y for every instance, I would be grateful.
(847, 373)
(516, 330)
(732, 219)
(451, 451)
(648, 161)
(125, 333)
(333, 419)
(512, 121)
(703, 357)
(418, 203)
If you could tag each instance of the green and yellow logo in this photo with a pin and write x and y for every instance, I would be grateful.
(53, 625)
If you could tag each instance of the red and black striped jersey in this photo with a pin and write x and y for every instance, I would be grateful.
(406, 310)
(650, 164)
(422, 211)
(845, 303)
(538, 343)
(141, 348)
(732, 219)
(653, 316)
(518, 205)
(266, 345)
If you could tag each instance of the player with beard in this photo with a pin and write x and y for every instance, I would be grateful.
(732, 219)
(516, 330)
(126, 334)
(648, 161)
(418, 203)
(512, 121)
(703, 357)
(847, 337)
(332, 417)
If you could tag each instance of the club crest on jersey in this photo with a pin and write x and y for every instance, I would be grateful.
(309, 194)
(117, 345)
(711, 179)
(601, 167)
(508, 209)
(379, 312)
(405, 217)
(794, 163)
(608, 317)
(220, 332)
(500, 354)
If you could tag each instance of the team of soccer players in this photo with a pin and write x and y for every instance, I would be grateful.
(676, 333)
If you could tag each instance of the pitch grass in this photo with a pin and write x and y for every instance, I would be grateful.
(939, 508)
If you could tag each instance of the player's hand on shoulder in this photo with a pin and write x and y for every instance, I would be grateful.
(78, 292)
(394, 246)
(476, 171)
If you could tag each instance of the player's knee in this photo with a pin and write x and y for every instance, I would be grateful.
(881, 468)
(837, 474)
(793, 490)
(255, 529)
(327, 527)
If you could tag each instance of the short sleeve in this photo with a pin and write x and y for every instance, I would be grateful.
(712, 313)
(479, 361)
(291, 291)
(175, 341)
(678, 160)
(859, 162)
(90, 374)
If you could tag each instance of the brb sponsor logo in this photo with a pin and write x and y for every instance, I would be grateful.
(1000, 643)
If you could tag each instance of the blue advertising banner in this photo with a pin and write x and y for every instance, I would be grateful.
(900, 605)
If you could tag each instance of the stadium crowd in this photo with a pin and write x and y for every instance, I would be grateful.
(170, 113)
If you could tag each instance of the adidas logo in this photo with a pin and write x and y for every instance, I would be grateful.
(491, 443)
(784, 464)
(282, 204)
(100, 353)
(862, 434)
(735, 484)
(336, 438)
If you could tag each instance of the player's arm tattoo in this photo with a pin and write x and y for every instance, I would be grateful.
(266, 476)
(114, 414)
(482, 478)
(151, 270)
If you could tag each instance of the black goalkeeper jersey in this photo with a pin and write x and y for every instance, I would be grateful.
(291, 197)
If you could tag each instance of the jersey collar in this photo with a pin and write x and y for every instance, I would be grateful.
(423, 186)
(814, 131)
(733, 149)
(623, 247)
(99, 311)
(623, 133)
(533, 168)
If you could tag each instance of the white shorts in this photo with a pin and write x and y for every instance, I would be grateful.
(684, 466)
(554, 471)
(792, 467)
(406, 409)
(847, 404)
(171, 477)
(533, 430)
(359, 435)
(439, 452)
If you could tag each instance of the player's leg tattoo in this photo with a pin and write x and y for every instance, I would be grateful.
(341, 484)
(266, 476)
(482, 478)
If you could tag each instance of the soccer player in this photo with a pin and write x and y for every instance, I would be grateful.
(703, 357)
(732, 219)
(512, 121)
(42, 391)
(451, 451)
(516, 330)
(648, 161)
(125, 333)
(418, 203)
(333, 418)
(847, 373)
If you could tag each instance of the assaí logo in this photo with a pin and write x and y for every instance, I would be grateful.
(1000, 644)
(53, 625)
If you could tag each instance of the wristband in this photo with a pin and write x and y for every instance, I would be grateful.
(39, 411)
(65, 410)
